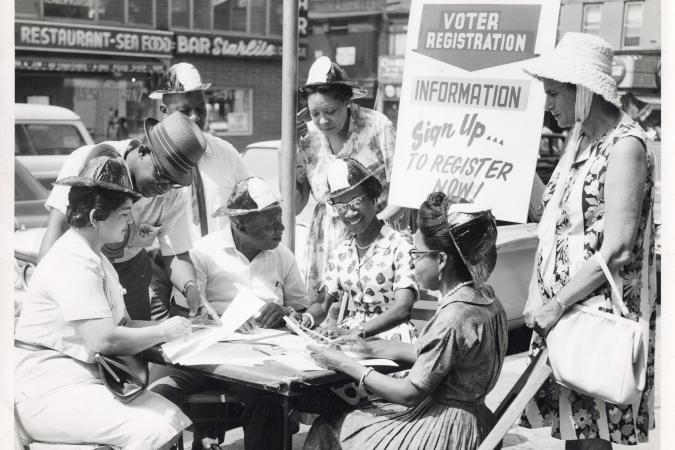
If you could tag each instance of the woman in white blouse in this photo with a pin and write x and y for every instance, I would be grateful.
(75, 309)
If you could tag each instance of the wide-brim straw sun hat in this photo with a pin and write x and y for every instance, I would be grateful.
(473, 229)
(579, 58)
(325, 72)
(180, 78)
(345, 175)
(103, 172)
(252, 195)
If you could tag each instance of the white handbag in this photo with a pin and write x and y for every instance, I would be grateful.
(599, 353)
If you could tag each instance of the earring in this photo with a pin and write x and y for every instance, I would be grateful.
(440, 275)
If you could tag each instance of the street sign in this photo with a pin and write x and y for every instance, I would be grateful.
(470, 119)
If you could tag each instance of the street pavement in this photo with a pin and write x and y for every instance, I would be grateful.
(518, 437)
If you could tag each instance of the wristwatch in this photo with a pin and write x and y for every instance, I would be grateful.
(362, 331)
(189, 283)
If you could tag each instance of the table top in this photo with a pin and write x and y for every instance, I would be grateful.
(269, 376)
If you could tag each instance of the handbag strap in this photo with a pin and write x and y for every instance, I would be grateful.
(610, 279)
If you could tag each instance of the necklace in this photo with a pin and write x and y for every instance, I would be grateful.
(363, 247)
(457, 288)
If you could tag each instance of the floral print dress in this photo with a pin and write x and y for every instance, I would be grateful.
(371, 141)
(369, 283)
(578, 235)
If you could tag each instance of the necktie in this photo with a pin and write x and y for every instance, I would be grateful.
(198, 202)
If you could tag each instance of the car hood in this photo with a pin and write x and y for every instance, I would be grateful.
(27, 242)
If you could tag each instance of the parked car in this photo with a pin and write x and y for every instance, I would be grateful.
(44, 136)
(30, 218)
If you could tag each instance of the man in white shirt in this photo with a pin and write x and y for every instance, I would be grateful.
(247, 254)
(158, 166)
(220, 168)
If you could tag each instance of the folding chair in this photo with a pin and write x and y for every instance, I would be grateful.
(515, 401)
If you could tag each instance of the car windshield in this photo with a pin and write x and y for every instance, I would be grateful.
(26, 187)
(47, 139)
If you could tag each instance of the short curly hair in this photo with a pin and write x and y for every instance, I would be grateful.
(83, 199)
(338, 91)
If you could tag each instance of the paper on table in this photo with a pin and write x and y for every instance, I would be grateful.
(236, 355)
(258, 334)
(243, 306)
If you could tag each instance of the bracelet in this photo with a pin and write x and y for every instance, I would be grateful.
(362, 380)
(310, 318)
(189, 283)
(362, 331)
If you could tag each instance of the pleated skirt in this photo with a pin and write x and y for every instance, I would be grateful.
(384, 426)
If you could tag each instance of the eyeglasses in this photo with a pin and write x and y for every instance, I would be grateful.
(353, 204)
(416, 254)
(161, 179)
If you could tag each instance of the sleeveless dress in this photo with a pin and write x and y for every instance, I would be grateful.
(460, 353)
(580, 211)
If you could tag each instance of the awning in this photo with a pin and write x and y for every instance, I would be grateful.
(60, 64)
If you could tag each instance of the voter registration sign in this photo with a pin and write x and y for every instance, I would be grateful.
(470, 119)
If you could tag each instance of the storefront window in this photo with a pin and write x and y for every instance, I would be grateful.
(27, 7)
(180, 13)
(229, 111)
(202, 14)
(258, 16)
(70, 9)
(397, 38)
(229, 15)
(140, 12)
(592, 18)
(111, 10)
(632, 24)
(276, 16)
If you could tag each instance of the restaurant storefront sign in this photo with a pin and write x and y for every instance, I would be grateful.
(230, 46)
(32, 35)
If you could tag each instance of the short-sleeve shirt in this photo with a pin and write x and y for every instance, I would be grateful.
(222, 270)
(371, 141)
(221, 168)
(461, 350)
(70, 283)
(372, 280)
(166, 211)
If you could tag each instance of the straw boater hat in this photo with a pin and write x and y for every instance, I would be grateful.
(251, 195)
(474, 232)
(180, 78)
(177, 143)
(325, 72)
(104, 172)
(579, 58)
(345, 175)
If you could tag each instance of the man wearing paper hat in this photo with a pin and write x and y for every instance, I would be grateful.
(221, 166)
(246, 256)
(158, 166)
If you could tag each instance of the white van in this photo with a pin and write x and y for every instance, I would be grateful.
(44, 136)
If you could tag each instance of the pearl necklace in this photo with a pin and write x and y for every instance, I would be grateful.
(457, 288)
(365, 247)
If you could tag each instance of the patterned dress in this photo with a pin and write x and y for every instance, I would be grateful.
(578, 235)
(369, 283)
(460, 354)
(371, 141)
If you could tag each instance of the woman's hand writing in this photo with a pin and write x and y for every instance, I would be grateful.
(355, 344)
(330, 357)
(175, 328)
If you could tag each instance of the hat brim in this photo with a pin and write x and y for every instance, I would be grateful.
(88, 182)
(331, 195)
(179, 177)
(232, 212)
(566, 70)
(159, 94)
(357, 90)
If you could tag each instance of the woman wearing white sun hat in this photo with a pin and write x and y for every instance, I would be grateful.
(599, 200)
